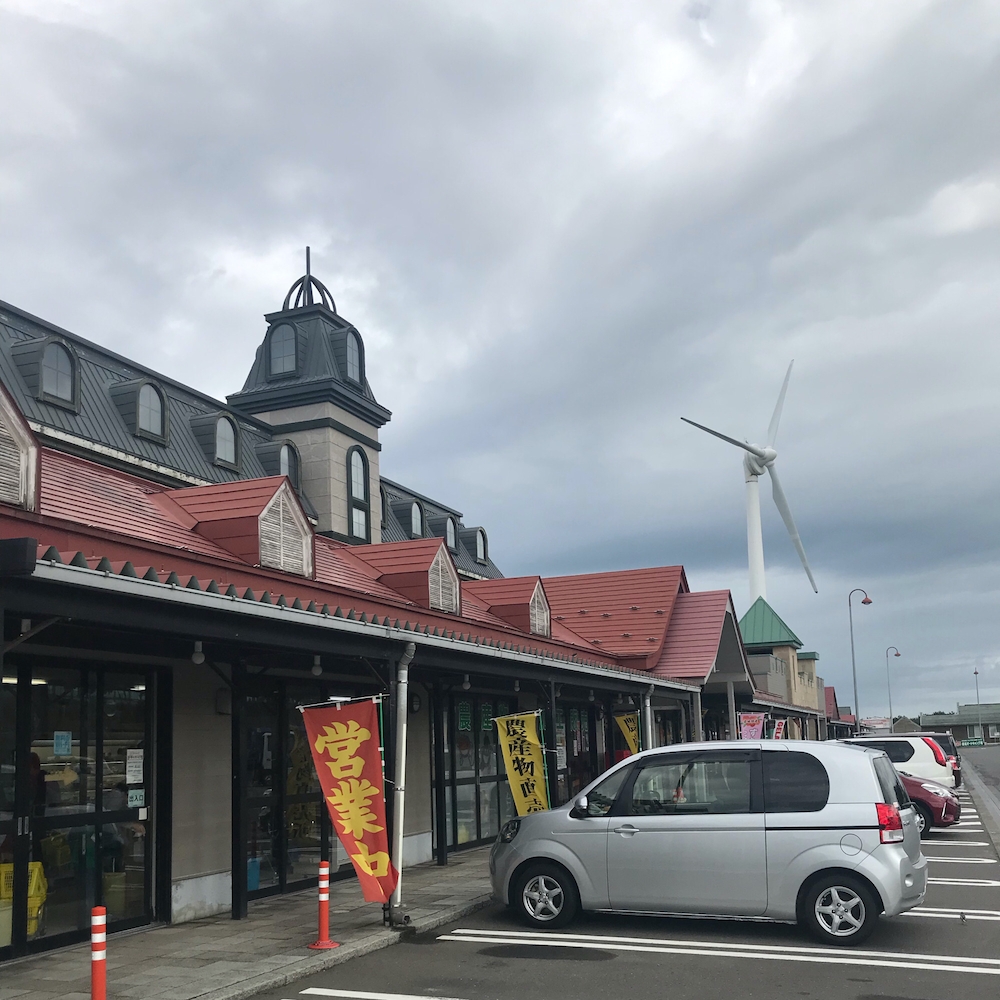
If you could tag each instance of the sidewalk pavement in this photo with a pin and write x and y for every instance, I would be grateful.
(987, 800)
(219, 958)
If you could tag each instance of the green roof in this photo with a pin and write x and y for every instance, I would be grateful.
(760, 626)
(803, 655)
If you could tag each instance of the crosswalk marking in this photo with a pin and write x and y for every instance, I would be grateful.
(317, 991)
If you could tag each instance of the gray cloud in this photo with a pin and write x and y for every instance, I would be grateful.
(561, 228)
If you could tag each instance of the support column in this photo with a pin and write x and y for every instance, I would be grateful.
(699, 733)
(239, 847)
(441, 819)
(552, 755)
(647, 720)
(731, 699)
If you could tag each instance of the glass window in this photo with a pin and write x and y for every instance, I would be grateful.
(449, 530)
(358, 484)
(150, 410)
(225, 441)
(416, 521)
(289, 463)
(353, 358)
(794, 782)
(602, 797)
(57, 372)
(282, 344)
(359, 522)
(481, 545)
(691, 785)
(899, 751)
(892, 788)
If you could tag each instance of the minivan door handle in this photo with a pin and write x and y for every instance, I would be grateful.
(627, 831)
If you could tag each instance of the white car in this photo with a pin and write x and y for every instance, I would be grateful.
(921, 756)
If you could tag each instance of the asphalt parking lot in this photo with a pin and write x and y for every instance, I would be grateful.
(943, 950)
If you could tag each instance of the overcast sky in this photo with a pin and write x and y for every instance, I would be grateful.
(560, 227)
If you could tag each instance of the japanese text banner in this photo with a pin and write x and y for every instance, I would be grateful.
(751, 725)
(345, 749)
(629, 725)
(524, 759)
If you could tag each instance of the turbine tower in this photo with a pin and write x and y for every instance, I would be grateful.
(757, 461)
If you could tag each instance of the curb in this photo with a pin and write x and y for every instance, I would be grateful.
(987, 804)
(375, 941)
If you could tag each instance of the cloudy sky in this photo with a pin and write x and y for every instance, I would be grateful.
(560, 227)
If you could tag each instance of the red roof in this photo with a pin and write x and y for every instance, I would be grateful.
(695, 632)
(225, 501)
(625, 613)
(831, 704)
(509, 598)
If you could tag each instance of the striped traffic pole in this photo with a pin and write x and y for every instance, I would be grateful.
(98, 953)
(323, 941)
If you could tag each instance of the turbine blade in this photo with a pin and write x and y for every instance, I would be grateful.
(772, 430)
(725, 437)
(781, 503)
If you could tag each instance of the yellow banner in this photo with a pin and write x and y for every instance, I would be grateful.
(524, 758)
(629, 725)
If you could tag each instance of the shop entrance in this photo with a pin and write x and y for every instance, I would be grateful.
(75, 801)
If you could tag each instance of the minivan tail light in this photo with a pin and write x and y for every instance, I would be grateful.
(953, 761)
(937, 751)
(890, 824)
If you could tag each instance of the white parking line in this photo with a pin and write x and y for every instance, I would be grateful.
(942, 913)
(965, 861)
(958, 843)
(982, 883)
(317, 991)
(821, 956)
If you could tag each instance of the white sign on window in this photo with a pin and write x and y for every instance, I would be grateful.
(133, 767)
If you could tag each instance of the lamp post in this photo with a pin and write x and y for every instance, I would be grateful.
(888, 684)
(854, 670)
(979, 707)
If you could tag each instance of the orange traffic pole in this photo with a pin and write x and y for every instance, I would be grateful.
(323, 941)
(98, 953)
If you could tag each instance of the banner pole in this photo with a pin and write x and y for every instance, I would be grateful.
(545, 758)
(399, 793)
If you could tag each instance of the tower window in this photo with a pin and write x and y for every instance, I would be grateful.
(358, 499)
(282, 348)
(57, 373)
(353, 357)
(416, 521)
(481, 549)
(449, 531)
(225, 441)
(150, 410)
(289, 464)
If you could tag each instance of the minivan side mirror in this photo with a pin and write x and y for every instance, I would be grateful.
(579, 810)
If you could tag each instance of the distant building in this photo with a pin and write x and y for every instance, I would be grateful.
(964, 723)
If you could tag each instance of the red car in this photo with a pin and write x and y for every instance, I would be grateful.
(935, 804)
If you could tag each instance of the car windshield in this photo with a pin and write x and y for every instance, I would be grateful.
(602, 796)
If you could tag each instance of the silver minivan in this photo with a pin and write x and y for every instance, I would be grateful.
(819, 833)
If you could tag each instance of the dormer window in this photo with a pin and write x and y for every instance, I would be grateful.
(289, 464)
(225, 441)
(150, 411)
(359, 500)
(353, 357)
(481, 547)
(58, 381)
(281, 347)
(538, 612)
(443, 584)
(450, 534)
(416, 521)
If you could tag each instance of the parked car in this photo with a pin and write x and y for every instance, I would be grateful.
(820, 833)
(947, 743)
(935, 804)
(919, 755)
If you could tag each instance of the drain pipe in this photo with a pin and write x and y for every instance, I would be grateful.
(647, 719)
(402, 707)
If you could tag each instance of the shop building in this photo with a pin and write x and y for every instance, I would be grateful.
(967, 722)
(178, 575)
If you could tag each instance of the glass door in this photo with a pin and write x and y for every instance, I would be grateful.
(10, 821)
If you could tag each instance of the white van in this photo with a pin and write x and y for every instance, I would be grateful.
(921, 756)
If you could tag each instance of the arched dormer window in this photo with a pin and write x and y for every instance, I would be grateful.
(281, 350)
(450, 535)
(225, 441)
(358, 498)
(58, 373)
(482, 550)
(416, 520)
(353, 357)
(150, 415)
(289, 463)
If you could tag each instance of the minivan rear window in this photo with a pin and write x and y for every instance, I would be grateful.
(899, 751)
(794, 782)
(892, 788)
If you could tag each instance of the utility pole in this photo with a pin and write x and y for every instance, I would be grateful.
(979, 707)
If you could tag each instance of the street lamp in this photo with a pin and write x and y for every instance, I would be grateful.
(854, 670)
(888, 684)
(979, 707)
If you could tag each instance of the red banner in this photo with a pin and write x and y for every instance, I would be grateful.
(344, 740)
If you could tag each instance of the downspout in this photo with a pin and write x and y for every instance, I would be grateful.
(402, 707)
(647, 719)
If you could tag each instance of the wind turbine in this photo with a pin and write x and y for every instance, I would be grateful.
(757, 461)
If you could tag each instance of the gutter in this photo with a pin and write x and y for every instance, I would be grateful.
(62, 573)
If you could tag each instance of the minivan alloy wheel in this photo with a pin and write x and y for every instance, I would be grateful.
(543, 897)
(840, 911)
